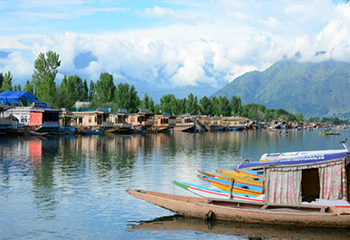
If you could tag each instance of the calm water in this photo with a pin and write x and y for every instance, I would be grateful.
(73, 187)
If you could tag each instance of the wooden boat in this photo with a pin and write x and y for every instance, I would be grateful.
(164, 130)
(250, 173)
(307, 190)
(213, 175)
(237, 187)
(240, 179)
(217, 193)
(35, 133)
(95, 132)
(329, 133)
(251, 212)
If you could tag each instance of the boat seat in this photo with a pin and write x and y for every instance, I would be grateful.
(294, 207)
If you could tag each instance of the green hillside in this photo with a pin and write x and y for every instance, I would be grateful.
(313, 89)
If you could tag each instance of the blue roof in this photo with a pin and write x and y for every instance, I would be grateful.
(307, 159)
(17, 96)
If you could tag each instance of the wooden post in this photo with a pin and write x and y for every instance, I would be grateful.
(232, 181)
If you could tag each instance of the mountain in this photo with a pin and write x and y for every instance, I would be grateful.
(314, 89)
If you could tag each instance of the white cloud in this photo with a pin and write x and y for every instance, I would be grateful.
(161, 12)
(234, 38)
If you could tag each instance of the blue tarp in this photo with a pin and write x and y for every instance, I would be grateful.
(17, 96)
(307, 159)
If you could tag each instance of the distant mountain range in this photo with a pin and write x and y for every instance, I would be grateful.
(313, 89)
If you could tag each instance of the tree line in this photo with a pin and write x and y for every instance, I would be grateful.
(104, 93)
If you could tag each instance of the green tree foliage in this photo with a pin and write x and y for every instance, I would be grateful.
(7, 82)
(236, 103)
(147, 103)
(191, 105)
(44, 76)
(92, 91)
(105, 89)
(72, 89)
(169, 103)
(1, 80)
(85, 92)
(17, 87)
(215, 106)
(300, 117)
(225, 108)
(126, 97)
(205, 106)
(29, 87)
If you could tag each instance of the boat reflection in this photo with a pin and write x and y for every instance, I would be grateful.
(249, 231)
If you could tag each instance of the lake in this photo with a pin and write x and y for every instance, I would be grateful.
(73, 187)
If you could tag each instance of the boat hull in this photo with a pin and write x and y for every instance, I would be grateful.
(245, 212)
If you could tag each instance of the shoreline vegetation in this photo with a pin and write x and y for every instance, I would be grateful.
(104, 93)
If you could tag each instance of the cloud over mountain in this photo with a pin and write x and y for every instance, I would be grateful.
(170, 45)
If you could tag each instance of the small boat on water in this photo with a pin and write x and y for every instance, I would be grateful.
(329, 133)
(95, 132)
(35, 133)
(237, 187)
(217, 193)
(241, 179)
(308, 190)
(248, 211)
(250, 173)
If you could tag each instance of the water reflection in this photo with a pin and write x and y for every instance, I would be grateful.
(70, 183)
(249, 231)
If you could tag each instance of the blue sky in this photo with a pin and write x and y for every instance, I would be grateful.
(167, 46)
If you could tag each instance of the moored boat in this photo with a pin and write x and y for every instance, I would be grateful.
(240, 179)
(237, 187)
(34, 133)
(217, 193)
(302, 190)
(247, 211)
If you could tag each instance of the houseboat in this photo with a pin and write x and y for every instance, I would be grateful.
(141, 121)
(44, 119)
(234, 123)
(188, 123)
(214, 124)
(5, 122)
(164, 123)
(117, 122)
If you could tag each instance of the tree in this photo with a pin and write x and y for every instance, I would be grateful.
(205, 106)
(1, 80)
(236, 103)
(168, 103)
(44, 76)
(191, 104)
(126, 97)
(105, 89)
(17, 88)
(29, 87)
(85, 92)
(92, 91)
(147, 103)
(7, 82)
(215, 106)
(224, 106)
(300, 117)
